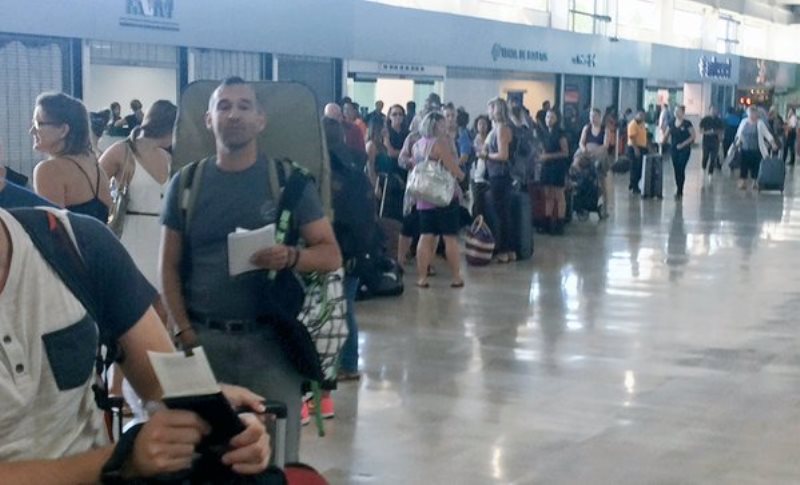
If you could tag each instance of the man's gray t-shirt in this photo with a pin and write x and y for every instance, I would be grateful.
(228, 200)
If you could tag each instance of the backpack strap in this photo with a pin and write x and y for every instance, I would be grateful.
(52, 235)
(189, 188)
(51, 232)
(290, 191)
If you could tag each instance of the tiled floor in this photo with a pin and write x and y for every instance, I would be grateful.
(661, 346)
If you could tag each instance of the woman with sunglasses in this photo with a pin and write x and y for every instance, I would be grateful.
(70, 177)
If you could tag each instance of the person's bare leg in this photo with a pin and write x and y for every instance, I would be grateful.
(549, 202)
(560, 202)
(403, 249)
(425, 251)
(453, 254)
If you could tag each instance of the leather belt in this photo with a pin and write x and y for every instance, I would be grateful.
(227, 325)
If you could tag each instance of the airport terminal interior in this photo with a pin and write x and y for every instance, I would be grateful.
(519, 241)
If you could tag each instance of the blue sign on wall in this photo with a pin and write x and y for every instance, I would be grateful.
(711, 67)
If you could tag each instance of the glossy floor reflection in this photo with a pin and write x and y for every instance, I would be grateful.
(660, 346)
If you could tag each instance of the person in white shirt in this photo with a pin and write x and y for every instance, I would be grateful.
(755, 141)
(51, 431)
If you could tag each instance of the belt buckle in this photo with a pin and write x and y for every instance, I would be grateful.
(234, 327)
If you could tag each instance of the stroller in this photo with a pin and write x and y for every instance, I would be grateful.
(584, 182)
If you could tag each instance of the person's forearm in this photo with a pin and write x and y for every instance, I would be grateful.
(497, 157)
(173, 296)
(453, 168)
(321, 257)
(81, 468)
(405, 159)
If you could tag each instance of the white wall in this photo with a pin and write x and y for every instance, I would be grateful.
(107, 84)
(473, 94)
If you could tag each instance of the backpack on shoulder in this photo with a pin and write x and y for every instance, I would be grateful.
(354, 211)
(523, 155)
(50, 230)
(312, 307)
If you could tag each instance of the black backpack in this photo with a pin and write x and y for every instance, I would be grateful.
(354, 209)
(55, 244)
(523, 152)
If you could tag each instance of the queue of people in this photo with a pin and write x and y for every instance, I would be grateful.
(168, 273)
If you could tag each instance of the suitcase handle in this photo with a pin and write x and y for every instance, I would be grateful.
(276, 408)
(279, 410)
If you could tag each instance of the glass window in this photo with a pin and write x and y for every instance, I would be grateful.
(727, 34)
(582, 16)
(754, 40)
(640, 14)
(531, 4)
(527, 12)
(687, 28)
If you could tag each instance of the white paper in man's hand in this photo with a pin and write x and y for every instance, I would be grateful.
(243, 244)
(183, 375)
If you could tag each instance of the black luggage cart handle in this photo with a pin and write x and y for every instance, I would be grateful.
(279, 410)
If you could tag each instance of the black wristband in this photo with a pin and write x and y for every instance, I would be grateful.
(111, 473)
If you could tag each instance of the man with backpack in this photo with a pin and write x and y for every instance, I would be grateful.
(241, 321)
(67, 286)
(354, 227)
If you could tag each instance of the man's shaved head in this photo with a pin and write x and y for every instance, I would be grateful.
(334, 112)
(232, 81)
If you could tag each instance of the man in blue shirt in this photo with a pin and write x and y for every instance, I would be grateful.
(12, 195)
(732, 120)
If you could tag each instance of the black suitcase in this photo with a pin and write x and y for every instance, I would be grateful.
(522, 225)
(652, 181)
(771, 174)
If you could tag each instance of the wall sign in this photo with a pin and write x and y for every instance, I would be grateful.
(711, 67)
(149, 14)
(503, 52)
(395, 68)
(587, 60)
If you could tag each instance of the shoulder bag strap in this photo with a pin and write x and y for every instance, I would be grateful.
(190, 184)
(127, 175)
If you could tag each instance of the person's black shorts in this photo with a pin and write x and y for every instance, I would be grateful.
(411, 224)
(554, 173)
(444, 221)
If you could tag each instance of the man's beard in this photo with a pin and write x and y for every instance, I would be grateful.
(236, 145)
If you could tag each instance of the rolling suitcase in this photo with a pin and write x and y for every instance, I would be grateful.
(389, 220)
(771, 174)
(652, 180)
(522, 225)
(292, 473)
(536, 195)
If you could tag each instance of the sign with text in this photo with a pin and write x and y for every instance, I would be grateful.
(711, 67)
(503, 52)
(586, 60)
(149, 14)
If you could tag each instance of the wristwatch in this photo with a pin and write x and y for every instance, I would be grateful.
(111, 473)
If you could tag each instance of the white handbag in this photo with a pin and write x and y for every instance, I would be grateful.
(431, 182)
